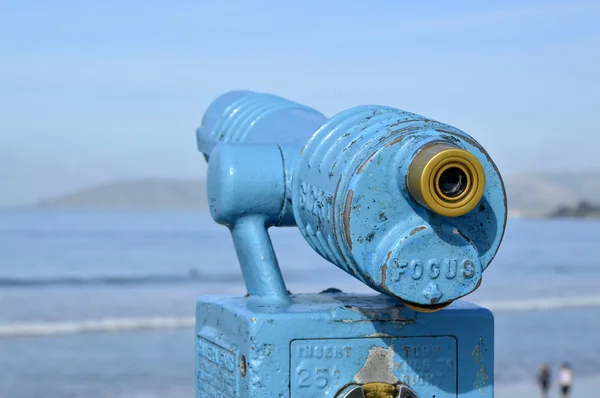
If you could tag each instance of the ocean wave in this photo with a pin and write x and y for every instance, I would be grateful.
(542, 304)
(192, 277)
(94, 326)
(113, 325)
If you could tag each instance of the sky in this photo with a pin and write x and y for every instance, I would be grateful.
(92, 92)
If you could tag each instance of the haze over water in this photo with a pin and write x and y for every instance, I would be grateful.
(73, 266)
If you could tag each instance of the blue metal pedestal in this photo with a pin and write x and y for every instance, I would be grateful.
(317, 344)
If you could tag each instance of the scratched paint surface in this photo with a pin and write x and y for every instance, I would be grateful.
(356, 210)
(318, 343)
(342, 181)
(321, 367)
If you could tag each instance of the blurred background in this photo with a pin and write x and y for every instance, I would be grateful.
(103, 214)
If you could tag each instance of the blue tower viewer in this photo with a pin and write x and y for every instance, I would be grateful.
(413, 208)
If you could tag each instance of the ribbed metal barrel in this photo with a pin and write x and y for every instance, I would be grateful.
(327, 163)
(244, 116)
(352, 204)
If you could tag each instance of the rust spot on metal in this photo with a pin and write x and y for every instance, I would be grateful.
(370, 237)
(459, 232)
(376, 314)
(346, 217)
(383, 284)
(394, 141)
(418, 229)
(424, 120)
(400, 122)
(481, 377)
(362, 166)
(388, 257)
(384, 268)
(243, 366)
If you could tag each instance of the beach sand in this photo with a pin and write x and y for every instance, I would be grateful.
(582, 388)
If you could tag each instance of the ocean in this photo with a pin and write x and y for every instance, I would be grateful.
(60, 266)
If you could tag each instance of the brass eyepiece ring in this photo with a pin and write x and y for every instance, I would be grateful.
(447, 180)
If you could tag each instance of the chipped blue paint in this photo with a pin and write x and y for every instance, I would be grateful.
(285, 345)
(342, 182)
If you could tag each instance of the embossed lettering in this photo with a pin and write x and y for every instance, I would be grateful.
(416, 361)
(400, 268)
(316, 201)
(321, 376)
(215, 375)
(468, 269)
(338, 352)
(318, 352)
(452, 267)
(317, 377)
(302, 195)
(303, 376)
(305, 351)
(425, 351)
(426, 365)
(314, 197)
(434, 269)
(417, 267)
(422, 365)
(323, 352)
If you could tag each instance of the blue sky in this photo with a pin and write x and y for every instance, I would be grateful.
(96, 91)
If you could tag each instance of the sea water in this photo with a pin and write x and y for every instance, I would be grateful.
(73, 266)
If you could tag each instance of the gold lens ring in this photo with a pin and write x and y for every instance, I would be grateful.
(425, 179)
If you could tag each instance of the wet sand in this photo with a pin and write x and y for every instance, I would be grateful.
(582, 388)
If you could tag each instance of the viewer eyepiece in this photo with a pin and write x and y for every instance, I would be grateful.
(452, 182)
(446, 179)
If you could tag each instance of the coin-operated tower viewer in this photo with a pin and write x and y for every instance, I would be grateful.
(412, 207)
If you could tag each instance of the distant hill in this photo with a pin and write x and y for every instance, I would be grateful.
(148, 194)
(529, 194)
(540, 193)
(582, 210)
